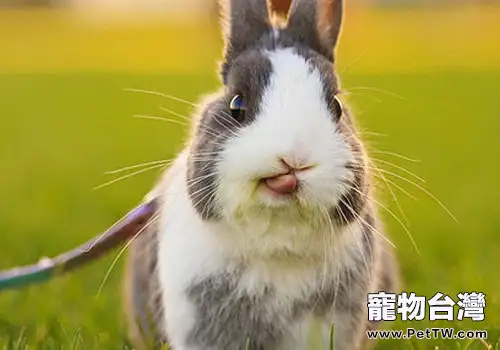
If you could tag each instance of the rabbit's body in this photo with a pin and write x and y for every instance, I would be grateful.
(266, 220)
(224, 290)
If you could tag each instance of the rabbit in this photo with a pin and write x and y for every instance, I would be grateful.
(266, 220)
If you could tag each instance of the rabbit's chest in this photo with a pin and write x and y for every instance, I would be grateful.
(231, 313)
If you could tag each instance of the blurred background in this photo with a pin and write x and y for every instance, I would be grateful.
(422, 76)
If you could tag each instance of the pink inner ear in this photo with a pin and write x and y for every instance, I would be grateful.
(329, 21)
(281, 6)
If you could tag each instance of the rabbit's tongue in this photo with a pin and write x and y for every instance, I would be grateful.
(282, 184)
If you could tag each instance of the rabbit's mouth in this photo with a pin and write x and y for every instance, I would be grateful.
(284, 184)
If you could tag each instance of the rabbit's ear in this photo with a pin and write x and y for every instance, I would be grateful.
(317, 24)
(244, 23)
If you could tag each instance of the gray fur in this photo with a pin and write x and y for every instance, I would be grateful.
(248, 76)
(143, 293)
(352, 203)
(241, 318)
(247, 22)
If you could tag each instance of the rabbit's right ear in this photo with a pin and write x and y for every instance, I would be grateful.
(317, 24)
(244, 23)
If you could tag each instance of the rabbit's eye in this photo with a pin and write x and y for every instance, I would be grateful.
(338, 110)
(237, 107)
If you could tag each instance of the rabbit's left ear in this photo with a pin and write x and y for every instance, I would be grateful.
(244, 23)
(317, 24)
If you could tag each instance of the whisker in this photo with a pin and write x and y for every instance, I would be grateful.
(413, 242)
(156, 93)
(209, 130)
(175, 121)
(353, 61)
(326, 243)
(195, 182)
(209, 200)
(164, 119)
(366, 223)
(201, 159)
(428, 193)
(164, 109)
(211, 153)
(229, 118)
(326, 255)
(371, 133)
(196, 179)
(225, 116)
(379, 101)
(195, 195)
(128, 176)
(395, 155)
(161, 94)
(136, 166)
(396, 199)
(384, 178)
(365, 261)
(401, 168)
(393, 215)
(224, 126)
(391, 191)
(338, 265)
(390, 93)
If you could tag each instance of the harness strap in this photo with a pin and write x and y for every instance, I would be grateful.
(120, 233)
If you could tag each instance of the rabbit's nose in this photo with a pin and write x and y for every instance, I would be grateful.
(294, 166)
(282, 184)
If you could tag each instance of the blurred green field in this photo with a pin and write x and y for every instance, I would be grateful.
(65, 120)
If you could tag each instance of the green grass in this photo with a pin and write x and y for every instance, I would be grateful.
(59, 133)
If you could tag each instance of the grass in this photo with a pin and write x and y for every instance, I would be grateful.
(61, 129)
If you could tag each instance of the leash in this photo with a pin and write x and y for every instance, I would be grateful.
(121, 232)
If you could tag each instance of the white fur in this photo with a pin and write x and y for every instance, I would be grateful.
(281, 245)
